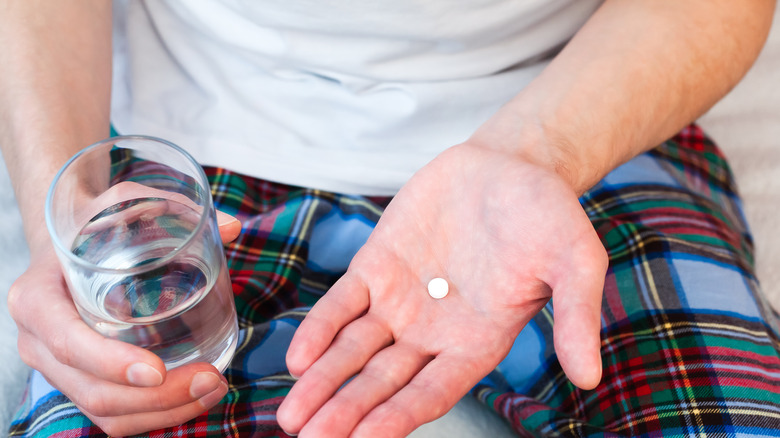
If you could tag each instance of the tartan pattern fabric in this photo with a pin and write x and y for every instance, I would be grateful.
(689, 346)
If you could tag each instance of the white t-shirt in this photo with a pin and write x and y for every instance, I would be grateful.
(342, 95)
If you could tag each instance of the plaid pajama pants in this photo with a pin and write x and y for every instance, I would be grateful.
(689, 346)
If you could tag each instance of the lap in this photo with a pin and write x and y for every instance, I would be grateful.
(689, 346)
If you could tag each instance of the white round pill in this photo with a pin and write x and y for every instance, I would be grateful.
(438, 288)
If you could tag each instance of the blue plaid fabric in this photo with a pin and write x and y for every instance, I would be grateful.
(690, 347)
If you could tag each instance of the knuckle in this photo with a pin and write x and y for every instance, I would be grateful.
(436, 403)
(597, 262)
(26, 350)
(60, 348)
(157, 401)
(347, 409)
(399, 418)
(180, 416)
(14, 300)
(92, 402)
(603, 256)
(440, 407)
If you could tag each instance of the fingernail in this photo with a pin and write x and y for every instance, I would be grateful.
(223, 220)
(141, 374)
(204, 383)
(282, 414)
(212, 398)
(290, 433)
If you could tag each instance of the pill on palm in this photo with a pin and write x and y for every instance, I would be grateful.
(438, 288)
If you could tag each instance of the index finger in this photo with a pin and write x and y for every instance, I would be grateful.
(343, 303)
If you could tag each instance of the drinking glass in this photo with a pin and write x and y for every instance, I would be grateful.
(135, 230)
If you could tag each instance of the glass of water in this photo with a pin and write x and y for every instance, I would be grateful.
(135, 230)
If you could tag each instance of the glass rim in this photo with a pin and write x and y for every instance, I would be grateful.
(73, 258)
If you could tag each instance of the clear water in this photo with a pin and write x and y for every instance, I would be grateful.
(182, 311)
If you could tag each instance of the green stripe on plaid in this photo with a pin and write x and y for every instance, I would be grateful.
(689, 346)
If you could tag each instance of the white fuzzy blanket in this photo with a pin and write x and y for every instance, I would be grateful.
(746, 124)
(13, 260)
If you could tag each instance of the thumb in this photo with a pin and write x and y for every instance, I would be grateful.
(229, 227)
(577, 312)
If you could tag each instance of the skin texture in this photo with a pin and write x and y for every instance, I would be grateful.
(496, 216)
(419, 355)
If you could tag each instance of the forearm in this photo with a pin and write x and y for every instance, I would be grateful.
(55, 79)
(634, 75)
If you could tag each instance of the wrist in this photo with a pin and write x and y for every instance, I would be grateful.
(535, 137)
(39, 242)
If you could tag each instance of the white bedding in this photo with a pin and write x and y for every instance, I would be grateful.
(746, 124)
